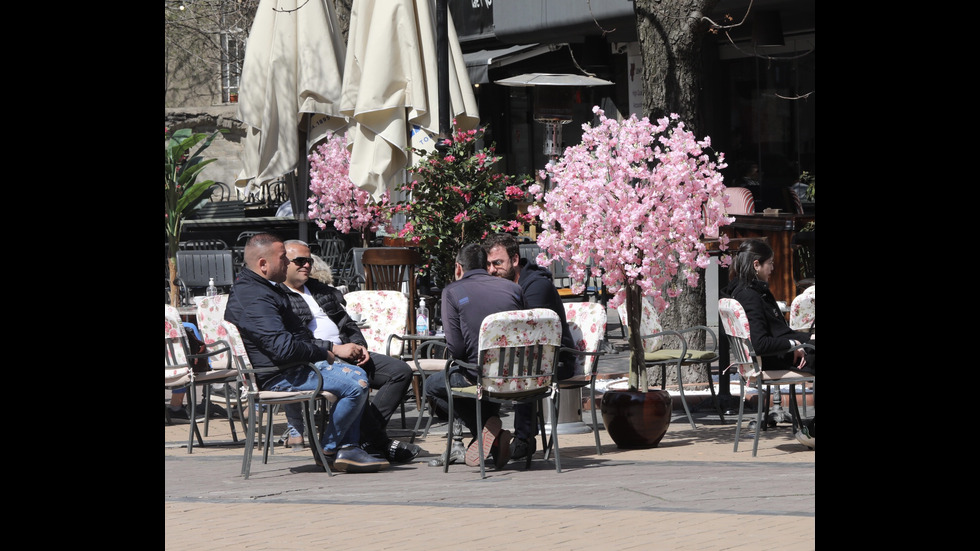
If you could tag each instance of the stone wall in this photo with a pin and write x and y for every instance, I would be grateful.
(226, 148)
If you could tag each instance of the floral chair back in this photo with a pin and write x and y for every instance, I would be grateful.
(383, 313)
(210, 314)
(587, 322)
(649, 324)
(736, 325)
(518, 349)
(175, 364)
(802, 312)
(741, 201)
(239, 357)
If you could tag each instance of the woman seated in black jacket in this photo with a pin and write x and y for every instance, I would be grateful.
(749, 285)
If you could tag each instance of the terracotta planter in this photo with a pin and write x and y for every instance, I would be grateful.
(634, 419)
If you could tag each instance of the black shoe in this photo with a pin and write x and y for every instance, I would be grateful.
(182, 416)
(521, 448)
(401, 452)
(330, 460)
(355, 460)
(215, 411)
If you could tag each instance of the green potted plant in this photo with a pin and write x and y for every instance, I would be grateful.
(181, 189)
(631, 203)
(456, 197)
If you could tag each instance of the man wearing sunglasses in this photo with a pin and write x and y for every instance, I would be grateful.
(538, 287)
(322, 309)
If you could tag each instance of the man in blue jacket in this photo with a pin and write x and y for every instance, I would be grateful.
(538, 287)
(274, 335)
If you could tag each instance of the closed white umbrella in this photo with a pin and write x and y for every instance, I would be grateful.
(391, 89)
(290, 86)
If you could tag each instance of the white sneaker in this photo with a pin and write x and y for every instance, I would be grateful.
(804, 437)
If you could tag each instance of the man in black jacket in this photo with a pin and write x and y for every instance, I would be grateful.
(321, 309)
(274, 336)
(538, 287)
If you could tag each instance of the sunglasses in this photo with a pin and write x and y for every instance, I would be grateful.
(300, 260)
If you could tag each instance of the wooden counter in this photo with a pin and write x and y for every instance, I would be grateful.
(779, 230)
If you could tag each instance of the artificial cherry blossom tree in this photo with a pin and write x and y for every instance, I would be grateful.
(334, 196)
(631, 203)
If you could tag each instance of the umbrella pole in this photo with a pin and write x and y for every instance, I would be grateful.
(442, 59)
(303, 186)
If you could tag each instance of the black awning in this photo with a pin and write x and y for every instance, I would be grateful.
(478, 64)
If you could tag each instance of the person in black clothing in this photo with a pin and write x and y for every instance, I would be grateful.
(538, 287)
(465, 303)
(274, 336)
(771, 334)
(322, 309)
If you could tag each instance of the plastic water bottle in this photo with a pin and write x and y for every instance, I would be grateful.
(422, 320)
(212, 290)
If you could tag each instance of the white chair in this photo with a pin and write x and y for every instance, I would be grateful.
(178, 372)
(802, 311)
(210, 314)
(262, 401)
(518, 353)
(750, 370)
(587, 322)
(654, 355)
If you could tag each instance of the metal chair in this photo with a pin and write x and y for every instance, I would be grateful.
(587, 322)
(654, 355)
(210, 314)
(518, 353)
(178, 372)
(261, 402)
(195, 268)
(383, 314)
(203, 245)
(751, 372)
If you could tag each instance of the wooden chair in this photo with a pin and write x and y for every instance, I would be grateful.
(387, 269)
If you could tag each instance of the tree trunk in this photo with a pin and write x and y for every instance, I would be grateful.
(670, 36)
(342, 10)
(634, 309)
(174, 292)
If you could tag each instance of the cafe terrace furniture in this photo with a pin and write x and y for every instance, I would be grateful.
(178, 372)
(654, 355)
(779, 230)
(741, 200)
(587, 323)
(209, 315)
(195, 268)
(518, 354)
(383, 314)
(749, 366)
(802, 311)
(393, 269)
(262, 402)
(428, 357)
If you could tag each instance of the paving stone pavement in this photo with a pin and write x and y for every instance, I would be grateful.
(692, 492)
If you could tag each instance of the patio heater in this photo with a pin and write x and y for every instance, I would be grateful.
(553, 104)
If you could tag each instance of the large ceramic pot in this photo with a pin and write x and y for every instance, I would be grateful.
(634, 419)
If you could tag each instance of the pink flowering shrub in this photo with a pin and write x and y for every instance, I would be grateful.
(631, 203)
(456, 199)
(333, 195)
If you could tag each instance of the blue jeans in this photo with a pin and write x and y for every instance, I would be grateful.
(348, 382)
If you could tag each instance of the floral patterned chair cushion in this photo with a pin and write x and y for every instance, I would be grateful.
(802, 312)
(383, 313)
(587, 322)
(177, 371)
(649, 324)
(514, 334)
(210, 314)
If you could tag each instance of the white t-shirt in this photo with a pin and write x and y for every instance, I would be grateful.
(322, 326)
